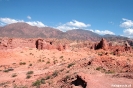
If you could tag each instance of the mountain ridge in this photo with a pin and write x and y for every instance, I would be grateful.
(24, 30)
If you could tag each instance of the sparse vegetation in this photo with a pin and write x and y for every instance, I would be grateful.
(36, 83)
(14, 75)
(71, 64)
(98, 68)
(22, 63)
(30, 64)
(66, 78)
(30, 72)
(47, 77)
(43, 81)
(39, 60)
(55, 61)
(9, 69)
(28, 76)
(47, 62)
(61, 56)
(55, 73)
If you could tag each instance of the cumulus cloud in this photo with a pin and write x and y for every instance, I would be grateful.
(29, 17)
(128, 27)
(127, 23)
(74, 24)
(102, 32)
(128, 32)
(10, 21)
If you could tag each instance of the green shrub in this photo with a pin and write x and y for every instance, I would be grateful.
(28, 76)
(36, 83)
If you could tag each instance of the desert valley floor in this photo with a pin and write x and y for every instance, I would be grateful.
(26, 67)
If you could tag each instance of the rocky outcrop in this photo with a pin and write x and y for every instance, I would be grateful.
(127, 46)
(101, 45)
(110, 64)
(39, 44)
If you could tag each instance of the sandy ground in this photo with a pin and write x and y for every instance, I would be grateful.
(16, 63)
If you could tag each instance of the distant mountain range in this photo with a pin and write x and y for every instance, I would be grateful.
(24, 30)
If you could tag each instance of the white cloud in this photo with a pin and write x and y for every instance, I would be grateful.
(72, 25)
(29, 17)
(103, 32)
(10, 21)
(78, 24)
(127, 23)
(36, 23)
(128, 32)
(128, 27)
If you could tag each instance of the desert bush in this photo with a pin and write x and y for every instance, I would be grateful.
(22, 63)
(9, 69)
(71, 64)
(47, 62)
(30, 72)
(28, 76)
(36, 83)
(98, 68)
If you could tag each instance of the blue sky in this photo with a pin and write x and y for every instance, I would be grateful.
(99, 16)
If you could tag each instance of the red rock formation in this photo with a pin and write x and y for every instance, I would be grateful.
(39, 44)
(102, 45)
(127, 46)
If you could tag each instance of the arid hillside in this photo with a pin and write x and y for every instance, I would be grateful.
(54, 63)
